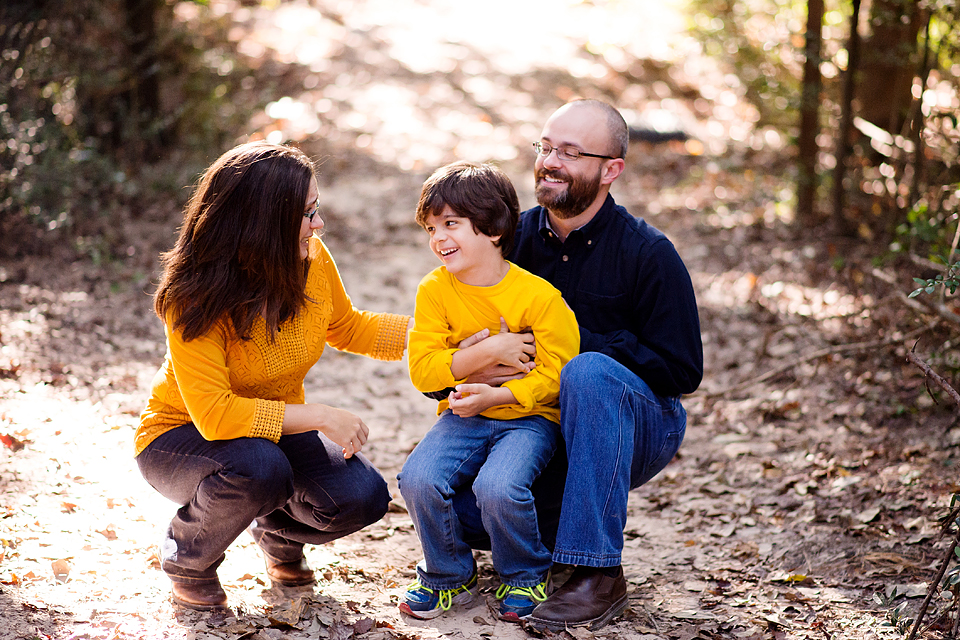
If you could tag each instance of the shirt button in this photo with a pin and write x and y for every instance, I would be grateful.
(565, 258)
(589, 242)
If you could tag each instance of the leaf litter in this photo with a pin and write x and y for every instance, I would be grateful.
(796, 496)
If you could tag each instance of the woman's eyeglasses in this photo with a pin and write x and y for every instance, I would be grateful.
(312, 212)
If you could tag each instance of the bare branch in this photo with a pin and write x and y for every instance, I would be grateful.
(933, 375)
(933, 587)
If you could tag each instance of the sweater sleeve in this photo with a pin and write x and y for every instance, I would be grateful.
(430, 357)
(378, 335)
(203, 380)
(557, 338)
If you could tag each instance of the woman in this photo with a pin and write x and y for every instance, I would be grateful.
(248, 298)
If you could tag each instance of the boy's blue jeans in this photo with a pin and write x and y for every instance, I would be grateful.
(499, 459)
(297, 491)
(617, 435)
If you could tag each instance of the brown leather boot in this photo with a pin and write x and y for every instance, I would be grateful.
(204, 596)
(290, 574)
(587, 599)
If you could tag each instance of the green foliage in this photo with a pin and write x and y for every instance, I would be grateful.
(79, 132)
(950, 281)
(894, 616)
(758, 40)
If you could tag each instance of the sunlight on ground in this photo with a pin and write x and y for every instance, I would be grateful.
(733, 290)
(392, 101)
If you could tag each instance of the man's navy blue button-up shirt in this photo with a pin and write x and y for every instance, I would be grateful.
(630, 291)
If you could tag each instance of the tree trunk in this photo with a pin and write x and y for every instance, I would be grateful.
(843, 224)
(143, 136)
(810, 117)
(888, 66)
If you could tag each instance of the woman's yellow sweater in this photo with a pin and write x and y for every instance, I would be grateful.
(231, 388)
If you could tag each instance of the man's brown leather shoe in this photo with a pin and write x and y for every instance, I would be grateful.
(587, 599)
(205, 596)
(290, 574)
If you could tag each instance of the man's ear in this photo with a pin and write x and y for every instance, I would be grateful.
(612, 170)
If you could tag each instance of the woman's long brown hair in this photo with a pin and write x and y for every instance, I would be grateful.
(238, 256)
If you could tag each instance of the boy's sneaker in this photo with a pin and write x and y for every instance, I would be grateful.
(425, 603)
(519, 602)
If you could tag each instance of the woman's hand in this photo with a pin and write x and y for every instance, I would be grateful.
(345, 429)
(342, 427)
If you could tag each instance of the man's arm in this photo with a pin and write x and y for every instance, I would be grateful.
(512, 350)
(493, 375)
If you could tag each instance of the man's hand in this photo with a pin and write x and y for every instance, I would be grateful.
(469, 400)
(496, 374)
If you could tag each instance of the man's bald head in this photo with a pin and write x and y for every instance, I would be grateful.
(617, 133)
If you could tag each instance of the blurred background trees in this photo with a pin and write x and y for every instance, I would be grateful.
(101, 103)
(870, 92)
(105, 104)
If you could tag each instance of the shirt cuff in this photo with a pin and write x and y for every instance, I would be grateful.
(267, 420)
(391, 337)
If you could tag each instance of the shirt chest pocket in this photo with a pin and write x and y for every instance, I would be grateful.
(603, 312)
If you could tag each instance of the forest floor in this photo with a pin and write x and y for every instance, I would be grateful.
(815, 464)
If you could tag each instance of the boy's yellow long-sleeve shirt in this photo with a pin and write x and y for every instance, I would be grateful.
(448, 311)
(232, 388)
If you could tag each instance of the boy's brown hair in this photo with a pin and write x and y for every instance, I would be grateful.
(482, 193)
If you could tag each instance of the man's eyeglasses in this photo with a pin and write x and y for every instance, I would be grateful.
(566, 153)
(316, 209)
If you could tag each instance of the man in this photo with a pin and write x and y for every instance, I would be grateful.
(620, 411)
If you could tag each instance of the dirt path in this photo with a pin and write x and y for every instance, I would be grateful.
(791, 503)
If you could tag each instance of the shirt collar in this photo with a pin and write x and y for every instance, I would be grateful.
(589, 231)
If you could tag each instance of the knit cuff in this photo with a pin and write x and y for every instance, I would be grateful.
(391, 337)
(267, 420)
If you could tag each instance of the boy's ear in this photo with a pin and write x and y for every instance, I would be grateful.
(495, 240)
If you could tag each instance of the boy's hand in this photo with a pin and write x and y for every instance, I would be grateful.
(516, 350)
(469, 400)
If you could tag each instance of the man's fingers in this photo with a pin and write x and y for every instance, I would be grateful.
(479, 336)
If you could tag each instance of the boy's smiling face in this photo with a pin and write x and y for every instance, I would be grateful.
(471, 257)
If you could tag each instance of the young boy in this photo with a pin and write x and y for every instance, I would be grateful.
(497, 439)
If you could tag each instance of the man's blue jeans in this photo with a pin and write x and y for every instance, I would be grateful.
(499, 459)
(617, 435)
(295, 492)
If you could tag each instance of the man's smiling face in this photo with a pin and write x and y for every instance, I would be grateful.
(567, 188)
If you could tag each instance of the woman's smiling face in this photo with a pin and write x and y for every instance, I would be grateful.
(310, 222)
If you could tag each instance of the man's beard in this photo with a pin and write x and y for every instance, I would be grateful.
(580, 193)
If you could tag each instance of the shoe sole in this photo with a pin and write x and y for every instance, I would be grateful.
(601, 621)
(293, 583)
(433, 613)
(198, 607)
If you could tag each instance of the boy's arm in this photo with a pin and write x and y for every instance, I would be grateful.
(558, 341)
(428, 353)
(494, 374)
(473, 399)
